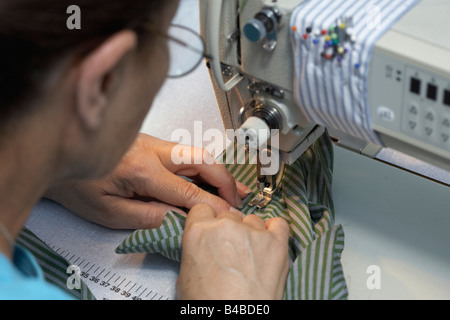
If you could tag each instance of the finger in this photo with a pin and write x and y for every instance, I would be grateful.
(199, 212)
(135, 214)
(279, 227)
(230, 215)
(215, 174)
(176, 191)
(255, 222)
(242, 189)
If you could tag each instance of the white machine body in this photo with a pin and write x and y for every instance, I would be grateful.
(408, 84)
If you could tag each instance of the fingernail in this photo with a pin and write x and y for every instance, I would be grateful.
(247, 190)
(235, 210)
(243, 188)
(238, 201)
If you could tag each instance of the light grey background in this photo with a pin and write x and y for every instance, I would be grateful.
(183, 101)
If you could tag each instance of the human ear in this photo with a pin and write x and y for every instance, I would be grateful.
(96, 72)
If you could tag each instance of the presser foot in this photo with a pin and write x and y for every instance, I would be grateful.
(263, 198)
(267, 189)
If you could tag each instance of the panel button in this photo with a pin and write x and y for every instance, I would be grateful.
(432, 91)
(414, 85)
(413, 110)
(446, 123)
(412, 124)
(429, 116)
(446, 99)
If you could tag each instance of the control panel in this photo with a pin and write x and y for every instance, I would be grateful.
(427, 108)
(410, 103)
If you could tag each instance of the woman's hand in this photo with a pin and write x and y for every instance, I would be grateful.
(145, 185)
(229, 256)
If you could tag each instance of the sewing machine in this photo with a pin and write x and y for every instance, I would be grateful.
(408, 90)
(408, 83)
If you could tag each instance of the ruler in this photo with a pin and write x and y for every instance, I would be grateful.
(106, 284)
(108, 275)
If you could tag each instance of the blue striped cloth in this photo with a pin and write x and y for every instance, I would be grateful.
(54, 267)
(332, 44)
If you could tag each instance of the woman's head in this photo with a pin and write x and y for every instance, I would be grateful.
(95, 84)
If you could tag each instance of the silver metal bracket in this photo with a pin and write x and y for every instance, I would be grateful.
(263, 198)
(268, 187)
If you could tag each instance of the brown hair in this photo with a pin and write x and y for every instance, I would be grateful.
(34, 35)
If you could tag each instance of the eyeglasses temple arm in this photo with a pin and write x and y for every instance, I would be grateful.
(184, 44)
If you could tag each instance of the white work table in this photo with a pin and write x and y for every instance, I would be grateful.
(395, 223)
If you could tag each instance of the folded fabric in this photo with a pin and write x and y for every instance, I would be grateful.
(304, 201)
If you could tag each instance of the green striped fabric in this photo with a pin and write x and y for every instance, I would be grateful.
(304, 201)
(53, 265)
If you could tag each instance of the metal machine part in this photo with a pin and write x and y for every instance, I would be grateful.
(256, 108)
(268, 186)
(263, 112)
(264, 25)
(258, 122)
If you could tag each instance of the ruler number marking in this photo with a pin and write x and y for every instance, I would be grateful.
(94, 278)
